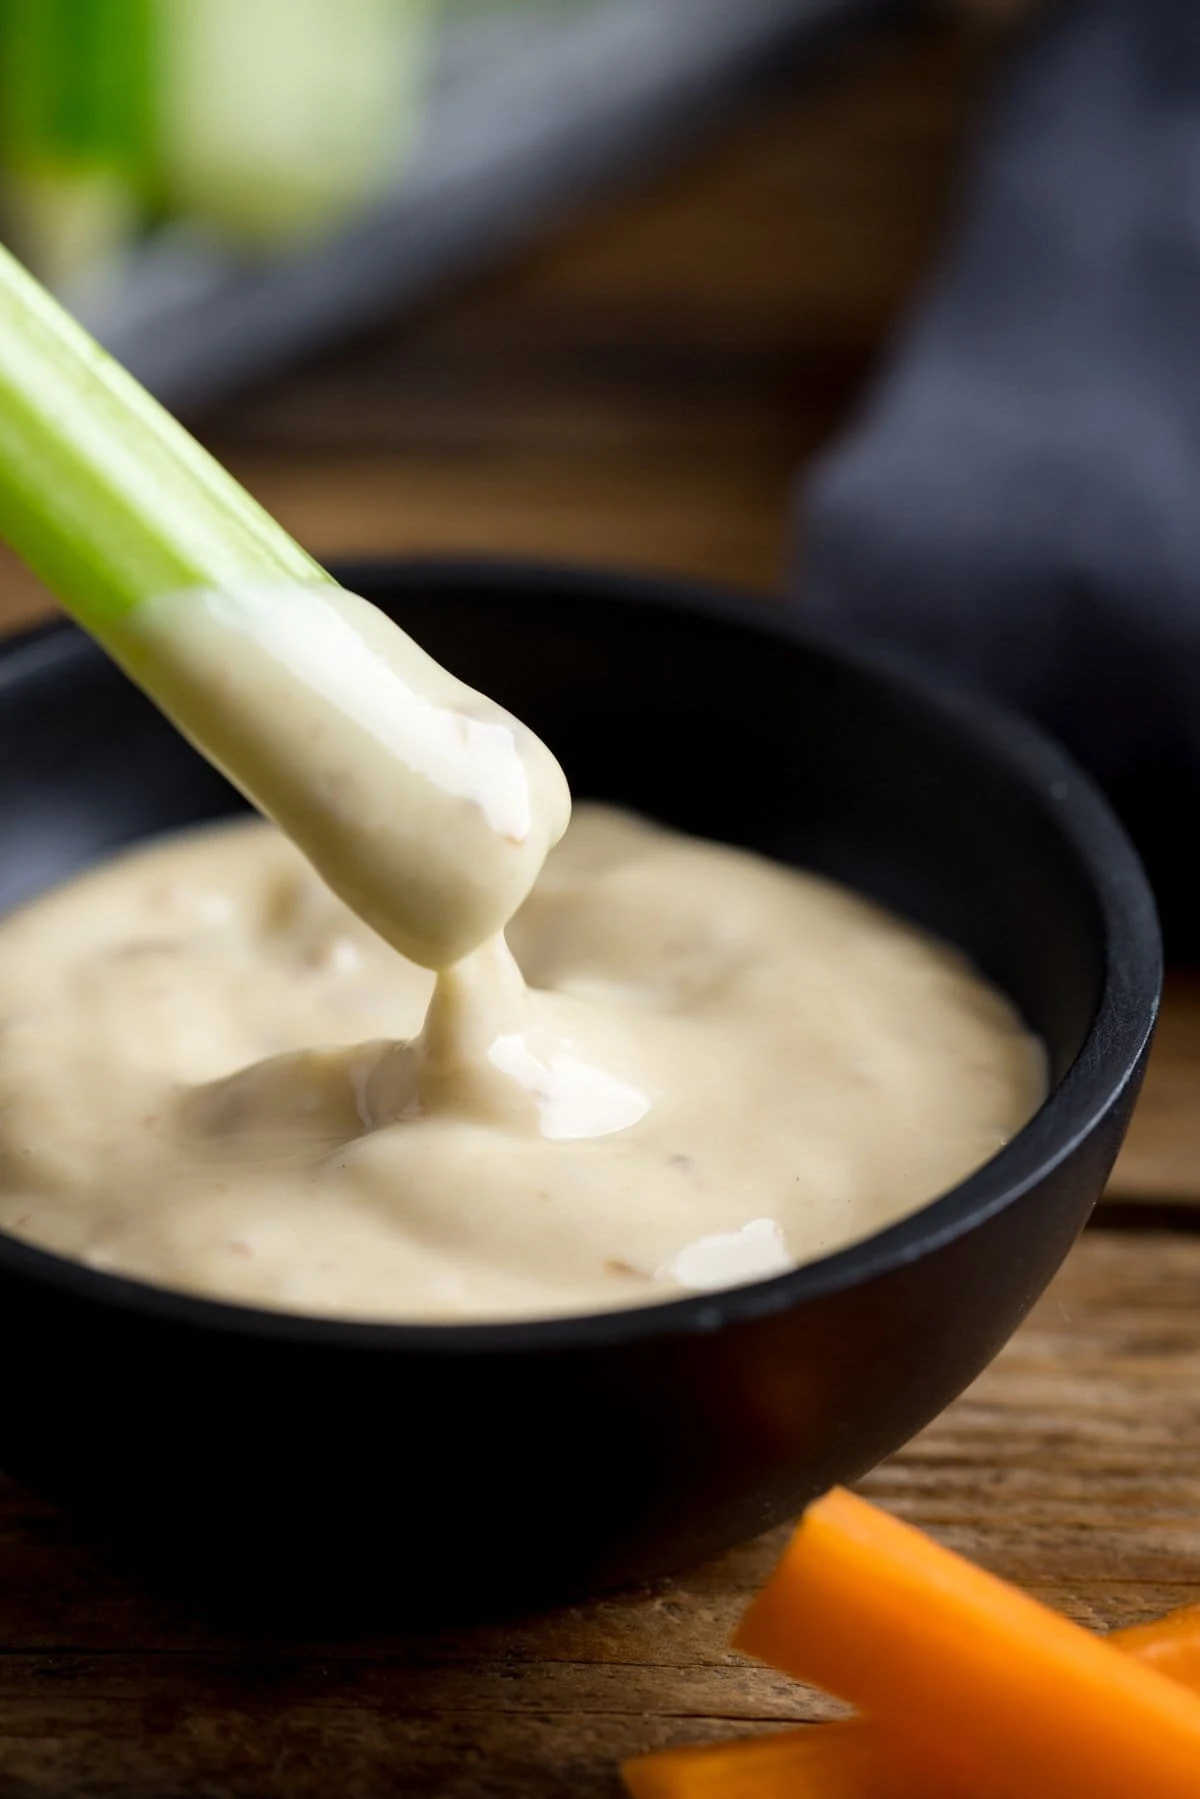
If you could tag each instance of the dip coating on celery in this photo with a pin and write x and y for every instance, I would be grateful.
(425, 806)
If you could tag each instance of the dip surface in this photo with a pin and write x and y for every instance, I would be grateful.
(213, 1076)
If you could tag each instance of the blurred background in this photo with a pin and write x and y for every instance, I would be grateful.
(215, 185)
(585, 277)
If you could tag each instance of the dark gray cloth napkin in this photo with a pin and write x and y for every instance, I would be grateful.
(1019, 503)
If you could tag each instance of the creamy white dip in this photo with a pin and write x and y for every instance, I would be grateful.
(214, 1076)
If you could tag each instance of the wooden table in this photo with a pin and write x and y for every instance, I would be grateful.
(642, 389)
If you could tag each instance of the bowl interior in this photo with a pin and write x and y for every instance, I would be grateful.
(952, 819)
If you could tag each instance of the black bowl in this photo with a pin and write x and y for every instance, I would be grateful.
(491, 1463)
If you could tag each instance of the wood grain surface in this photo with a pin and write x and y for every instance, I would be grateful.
(642, 389)
(1070, 1467)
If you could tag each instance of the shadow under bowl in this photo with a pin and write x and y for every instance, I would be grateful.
(481, 1465)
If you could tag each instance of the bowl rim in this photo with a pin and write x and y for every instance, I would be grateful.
(1108, 1060)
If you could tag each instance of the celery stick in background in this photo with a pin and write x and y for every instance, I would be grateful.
(266, 120)
(75, 130)
(278, 117)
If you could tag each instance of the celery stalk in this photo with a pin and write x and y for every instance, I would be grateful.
(277, 117)
(102, 492)
(75, 129)
(353, 740)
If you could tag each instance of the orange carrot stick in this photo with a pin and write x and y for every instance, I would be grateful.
(857, 1759)
(850, 1760)
(1169, 1645)
(968, 1670)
